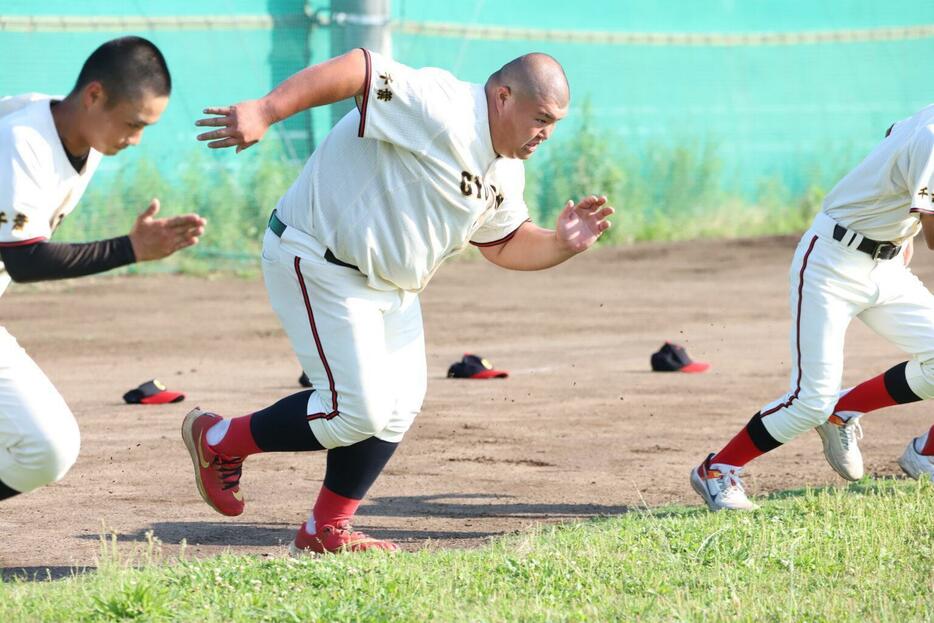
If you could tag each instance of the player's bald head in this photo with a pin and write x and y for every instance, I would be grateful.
(526, 98)
(535, 75)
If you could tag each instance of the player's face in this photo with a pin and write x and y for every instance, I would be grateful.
(528, 122)
(113, 128)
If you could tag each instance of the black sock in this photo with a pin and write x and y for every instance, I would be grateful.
(283, 427)
(7, 492)
(896, 384)
(351, 470)
(761, 437)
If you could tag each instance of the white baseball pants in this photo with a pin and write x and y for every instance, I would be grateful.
(832, 283)
(39, 438)
(363, 349)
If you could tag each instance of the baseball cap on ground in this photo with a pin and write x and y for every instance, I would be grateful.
(152, 393)
(673, 358)
(475, 367)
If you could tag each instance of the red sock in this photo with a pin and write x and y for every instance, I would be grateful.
(238, 440)
(867, 396)
(331, 508)
(739, 451)
(928, 449)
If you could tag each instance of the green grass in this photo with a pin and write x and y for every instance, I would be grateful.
(865, 553)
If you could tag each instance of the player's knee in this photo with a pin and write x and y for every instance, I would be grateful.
(48, 458)
(920, 377)
(372, 420)
(926, 368)
(815, 410)
(61, 453)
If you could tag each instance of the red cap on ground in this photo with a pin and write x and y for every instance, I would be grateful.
(152, 393)
(673, 357)
(475, 367)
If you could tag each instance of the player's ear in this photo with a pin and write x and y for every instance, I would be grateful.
(93, 94)
(503, 94)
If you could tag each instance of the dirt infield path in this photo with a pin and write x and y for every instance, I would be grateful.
(581, 429)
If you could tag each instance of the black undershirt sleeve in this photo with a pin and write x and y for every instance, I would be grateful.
(43, 261)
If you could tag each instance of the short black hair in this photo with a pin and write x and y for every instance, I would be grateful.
(127, 68)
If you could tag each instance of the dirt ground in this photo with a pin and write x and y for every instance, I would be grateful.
(582, 428)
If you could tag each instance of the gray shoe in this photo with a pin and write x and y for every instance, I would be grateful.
(914, 463)
(841, 448)
(720, 486)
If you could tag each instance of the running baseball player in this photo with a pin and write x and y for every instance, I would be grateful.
(425, 166)
(49, 150)
(851, 263)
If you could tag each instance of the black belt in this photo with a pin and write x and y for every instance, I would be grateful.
(278, 228)
(877, 250)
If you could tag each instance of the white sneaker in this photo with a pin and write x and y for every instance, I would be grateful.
(840, 435)
(914, 463)
(720, 486)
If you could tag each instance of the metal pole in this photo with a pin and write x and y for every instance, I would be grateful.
(358, 24)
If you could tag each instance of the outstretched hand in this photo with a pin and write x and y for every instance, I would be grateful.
(154, 239)
(580, 225)
(243, 125)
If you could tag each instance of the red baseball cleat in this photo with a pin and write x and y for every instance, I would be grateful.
(217, 476)
(336, 539)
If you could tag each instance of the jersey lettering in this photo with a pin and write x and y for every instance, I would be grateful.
(384, 94)
(483, 191)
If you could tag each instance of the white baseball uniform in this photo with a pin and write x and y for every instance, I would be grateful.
(396, 188)
(39, 437)
(833, 282)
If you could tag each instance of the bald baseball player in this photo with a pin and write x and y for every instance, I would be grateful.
(49, 150)
(426, 165)
(852, 263)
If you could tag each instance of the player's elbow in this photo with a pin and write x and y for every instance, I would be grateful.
(491, 253)
(20, 264)
(20, 274)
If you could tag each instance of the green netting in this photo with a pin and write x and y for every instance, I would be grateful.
(793, 91)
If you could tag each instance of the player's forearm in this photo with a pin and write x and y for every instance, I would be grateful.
(531, 248)
(44, 261)
(927, 227)
(334, 80)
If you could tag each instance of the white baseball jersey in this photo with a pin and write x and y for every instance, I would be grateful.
(883, 196)
(410, 180)
(38, 184)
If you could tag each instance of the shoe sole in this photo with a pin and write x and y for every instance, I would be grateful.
(827, 454)
(190, 443)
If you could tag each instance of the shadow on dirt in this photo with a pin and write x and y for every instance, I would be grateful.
(42, 574)
(481, 505)
(215, 533)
